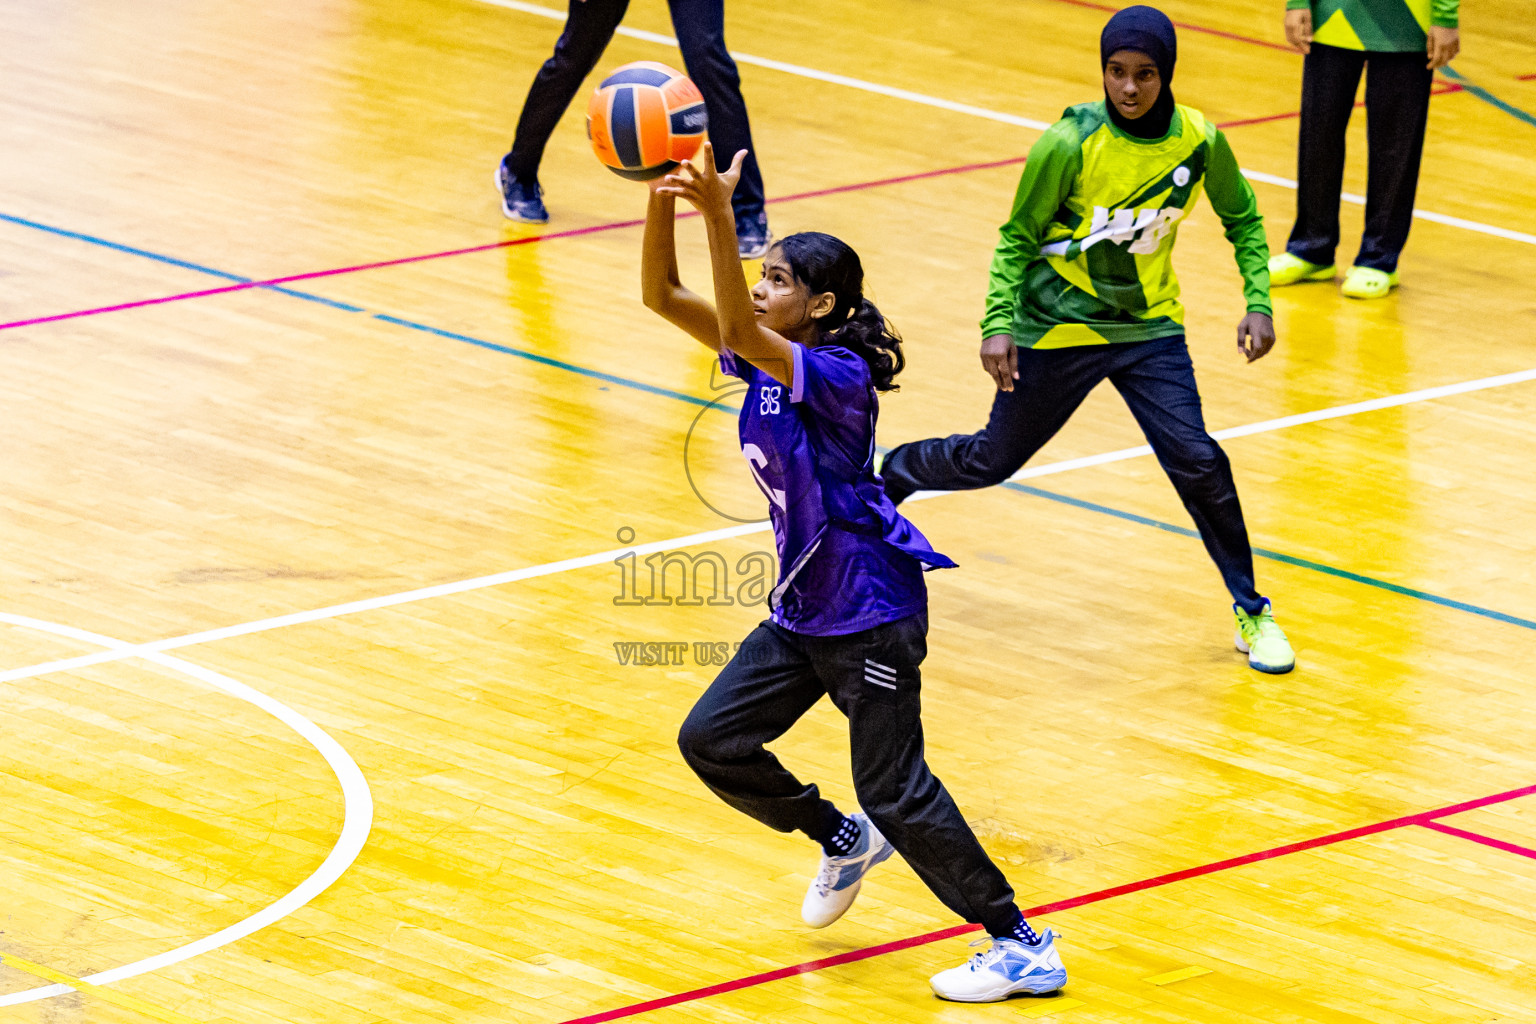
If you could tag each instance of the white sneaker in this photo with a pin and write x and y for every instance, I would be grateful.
(1006, 968)
(837, 883)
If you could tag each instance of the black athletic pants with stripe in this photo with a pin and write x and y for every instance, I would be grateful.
(700, 28)
(1157, 380)
(873, 679)
(1397, 88)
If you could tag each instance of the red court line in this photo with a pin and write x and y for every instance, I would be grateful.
(1424, 818)
(589, 230)
(1440, 89)
(508, 243)
(1193, 28)
(1497, 844)
(1525, 78)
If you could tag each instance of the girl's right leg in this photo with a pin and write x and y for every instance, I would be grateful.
(1051, 385)
(874, 679)
(1330, 75)
(754, 700)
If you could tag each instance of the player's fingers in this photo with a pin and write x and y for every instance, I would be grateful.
(737, 160)
(989, 364)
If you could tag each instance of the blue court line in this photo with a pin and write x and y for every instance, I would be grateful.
(398, 321)
(172, 261)
(1279, 556)
(558, 364)
(1486, 96)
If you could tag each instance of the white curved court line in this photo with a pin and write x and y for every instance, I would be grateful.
(991, 115)
(357, 803)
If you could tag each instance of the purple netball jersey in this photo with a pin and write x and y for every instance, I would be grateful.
(847, 559)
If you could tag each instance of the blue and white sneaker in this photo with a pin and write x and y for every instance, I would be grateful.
(838, 881)
(520, 202)
(1006, 968)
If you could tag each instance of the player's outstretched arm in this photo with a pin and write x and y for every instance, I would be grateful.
(1234, 202)
(661, 286)
(709, 190)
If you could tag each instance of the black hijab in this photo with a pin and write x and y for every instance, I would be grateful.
(1146, 30)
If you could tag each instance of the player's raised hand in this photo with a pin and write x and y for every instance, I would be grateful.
(701, 184)
(1255, 335)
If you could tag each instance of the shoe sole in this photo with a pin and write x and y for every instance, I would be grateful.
(757, 254)
(506, 211)
(853, 894)
(1327, 274)
(1005, 992)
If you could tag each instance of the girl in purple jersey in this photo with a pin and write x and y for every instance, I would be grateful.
(849, 615)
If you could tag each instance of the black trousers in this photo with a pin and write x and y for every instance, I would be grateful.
(776, 677)
(1397, 91)
(700, 28)
(1157, 381)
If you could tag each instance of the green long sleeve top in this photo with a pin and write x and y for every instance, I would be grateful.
(1385, 26)
(1086, 256)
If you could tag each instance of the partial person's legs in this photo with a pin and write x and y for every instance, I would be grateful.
(874, 678)
(764, 690)
(1158, 383)
(700, 28)
(1397, 88)
(1330, 75)
(588, 27)
(1052, 384)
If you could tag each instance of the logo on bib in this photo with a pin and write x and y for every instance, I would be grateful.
(1181, 177)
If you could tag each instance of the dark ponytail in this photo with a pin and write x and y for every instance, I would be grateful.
(826, 264)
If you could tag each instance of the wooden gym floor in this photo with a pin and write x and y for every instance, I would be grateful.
(315, 703)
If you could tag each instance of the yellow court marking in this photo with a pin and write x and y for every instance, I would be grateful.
(1053, 1006)
(1178, 975)
(115, 998)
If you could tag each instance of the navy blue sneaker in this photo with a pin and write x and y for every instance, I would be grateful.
(752, 236)
(1007, 967)
(518, 201)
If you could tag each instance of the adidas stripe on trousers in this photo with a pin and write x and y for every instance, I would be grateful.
(872, 677)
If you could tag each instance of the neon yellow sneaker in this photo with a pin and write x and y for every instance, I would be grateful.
(1261, 638)
(1287, 269)
(1368, 283)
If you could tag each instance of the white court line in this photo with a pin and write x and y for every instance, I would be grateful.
(357, 815)
(121, 651)
(1264, 426)
(982, 112)
(374, 603)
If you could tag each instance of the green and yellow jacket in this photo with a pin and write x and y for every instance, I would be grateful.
(1386, 26)
(1086, 257)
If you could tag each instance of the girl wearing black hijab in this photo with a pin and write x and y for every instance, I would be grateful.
(1083, 289)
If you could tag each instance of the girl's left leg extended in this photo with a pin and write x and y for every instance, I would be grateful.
(873, 678)
(1158, 383)
(754, 700)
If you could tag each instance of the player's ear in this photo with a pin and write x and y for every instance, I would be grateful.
(822, 304)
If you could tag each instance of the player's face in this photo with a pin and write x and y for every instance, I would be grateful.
(1132, 83)
(781, 303)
